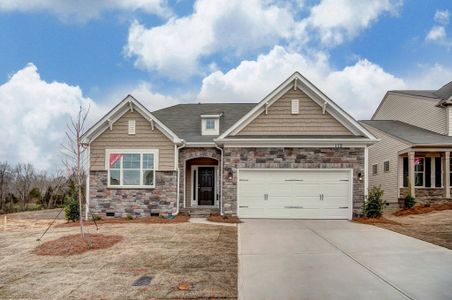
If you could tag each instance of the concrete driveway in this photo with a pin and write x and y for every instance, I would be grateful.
(304, 259)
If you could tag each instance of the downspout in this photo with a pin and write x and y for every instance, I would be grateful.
(176, 158)
(221, 179)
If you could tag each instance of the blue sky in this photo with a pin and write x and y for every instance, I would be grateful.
(56, 55)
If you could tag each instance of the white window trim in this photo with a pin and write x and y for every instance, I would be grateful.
(132, 127)
(132, 151)
(374, 173)
(295, 106)
(211, 131)
(421, 172)
(389, 166)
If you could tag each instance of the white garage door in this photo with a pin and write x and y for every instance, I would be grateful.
(295, 194)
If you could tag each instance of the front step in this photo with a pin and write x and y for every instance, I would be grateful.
(200, 212)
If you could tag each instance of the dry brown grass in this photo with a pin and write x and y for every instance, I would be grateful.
(223, 219)
(74, 244)
(423, 209)
(204, 257)
(371, 221)
(145, 220)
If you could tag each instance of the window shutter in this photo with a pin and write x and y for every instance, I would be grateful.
(295, 106)
(131, 126)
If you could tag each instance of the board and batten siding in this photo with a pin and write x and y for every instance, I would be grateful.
(385, 150)
(309, 121)
(414, 111)
(144, 138)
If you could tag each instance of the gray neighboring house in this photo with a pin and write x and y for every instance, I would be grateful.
(415, 132)
(295, 154)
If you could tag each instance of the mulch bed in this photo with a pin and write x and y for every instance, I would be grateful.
(74, 244)
(145, 220)
(423, 209)
(371, 221)
(224, 219)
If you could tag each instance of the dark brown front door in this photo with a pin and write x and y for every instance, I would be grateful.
(206, 186)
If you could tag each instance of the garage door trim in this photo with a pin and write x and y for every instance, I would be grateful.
(350, 214)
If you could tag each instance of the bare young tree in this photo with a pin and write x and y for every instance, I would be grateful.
(57, 183)
(75, 153)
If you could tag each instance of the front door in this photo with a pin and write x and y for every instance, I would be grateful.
(206, 185)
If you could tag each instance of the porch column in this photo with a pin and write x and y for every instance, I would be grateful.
(447, 173)
(411, 172)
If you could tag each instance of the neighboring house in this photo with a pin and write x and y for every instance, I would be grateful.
(415, 129)
(295, 154)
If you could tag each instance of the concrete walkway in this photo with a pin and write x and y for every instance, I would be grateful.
(304, 259)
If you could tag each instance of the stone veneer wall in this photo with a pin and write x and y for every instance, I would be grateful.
(424, 195)
(189, 153)
(235, 158)
(136, 202)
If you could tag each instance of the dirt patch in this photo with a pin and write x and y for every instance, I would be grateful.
(371, 221)
(224, 219)
(74, 244)
(434, 227)
(423, 209)
(144, 220)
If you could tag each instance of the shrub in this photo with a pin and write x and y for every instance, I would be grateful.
(71, 210)
(97, 218)
(409, 201)
(129, 217)
(373, 206)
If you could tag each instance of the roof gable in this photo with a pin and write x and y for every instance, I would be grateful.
(129, 103)
(297, 81)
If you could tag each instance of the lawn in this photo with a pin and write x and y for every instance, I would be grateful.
(185, 260)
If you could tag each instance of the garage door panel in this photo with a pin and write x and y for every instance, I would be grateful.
(294, 194)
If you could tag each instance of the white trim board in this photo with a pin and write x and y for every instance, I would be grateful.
(194, 202)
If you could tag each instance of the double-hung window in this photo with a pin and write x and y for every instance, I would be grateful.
(419, 171)
(131, 168)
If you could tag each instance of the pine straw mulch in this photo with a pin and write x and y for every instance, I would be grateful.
(371, 221)
(423, 209)
(223, 219)
(145, 220)
(74, 244)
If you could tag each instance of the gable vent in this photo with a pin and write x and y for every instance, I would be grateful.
(131, 126)
(295, 106)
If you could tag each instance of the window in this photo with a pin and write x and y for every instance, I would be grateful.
(375, 169)
(295, 106)
(210, 124)
(450, 170)
(405, 172)
(131, 126)
(386, 166)
(419, 171)
(127, 168)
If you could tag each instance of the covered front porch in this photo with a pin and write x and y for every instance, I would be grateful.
(425, 174)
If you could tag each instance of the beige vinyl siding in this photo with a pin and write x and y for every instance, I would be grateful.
(449, 120)
(309, 121)
(144, 138)
(414, 111)
(384, 150)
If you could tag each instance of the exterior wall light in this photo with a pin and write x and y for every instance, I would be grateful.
(230, 175)
(360, 176)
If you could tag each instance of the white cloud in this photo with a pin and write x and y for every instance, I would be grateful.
(340, 20)
(442, 16)
(438, 33)
(176, 48)
(34, 115)
(357, 88)
(145, 93)
(83, 10)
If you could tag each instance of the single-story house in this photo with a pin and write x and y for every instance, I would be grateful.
(295, 154)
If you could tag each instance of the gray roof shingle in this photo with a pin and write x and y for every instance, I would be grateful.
(409, 133)
(185, 119)
(444, 93)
